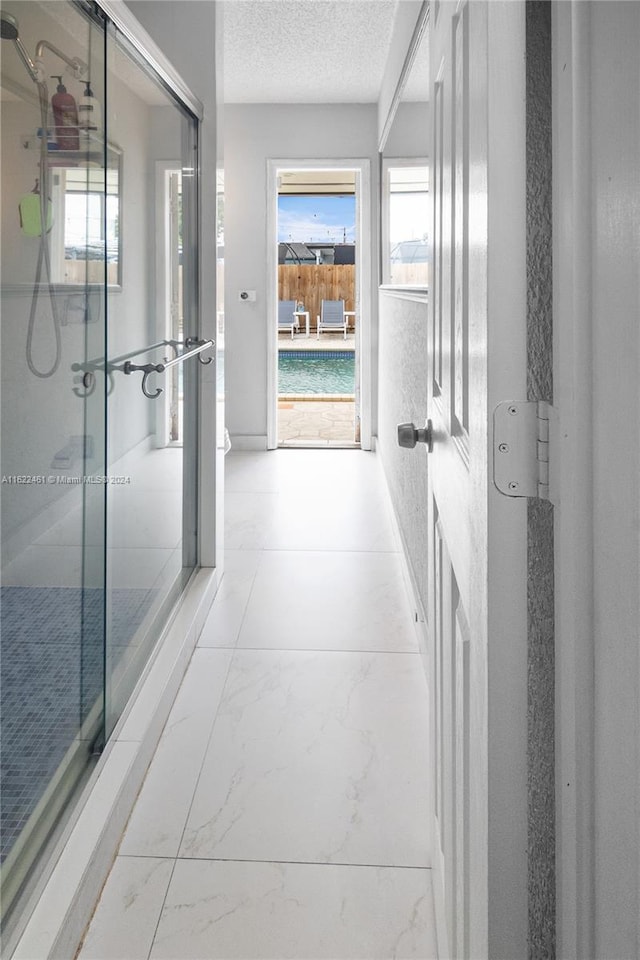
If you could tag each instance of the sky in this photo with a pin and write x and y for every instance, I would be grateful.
(316, 219)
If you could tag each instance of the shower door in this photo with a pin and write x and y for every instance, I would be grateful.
(52, 495)
(99, 471)
(152, 321)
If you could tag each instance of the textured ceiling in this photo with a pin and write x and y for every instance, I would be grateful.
(306, 51)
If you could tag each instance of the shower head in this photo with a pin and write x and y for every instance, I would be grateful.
(9, 31)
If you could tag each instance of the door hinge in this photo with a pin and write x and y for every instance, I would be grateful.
(521, 448)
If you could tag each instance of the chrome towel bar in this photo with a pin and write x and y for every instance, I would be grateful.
(149, 368)
(194, 347)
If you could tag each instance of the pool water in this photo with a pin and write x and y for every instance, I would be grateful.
(327, 372)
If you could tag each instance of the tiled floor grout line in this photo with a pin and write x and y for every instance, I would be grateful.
(239, 649)
(300, 863)
(204, 754)
(248, 600)
(152, 939)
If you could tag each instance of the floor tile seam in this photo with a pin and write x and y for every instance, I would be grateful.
(96, 905)
(253, 577)
(239, 649)
(221, 646)
(301, 863)
(162, 906)
(157, 748)
(266, 549)
(248, 601)
(205, 752)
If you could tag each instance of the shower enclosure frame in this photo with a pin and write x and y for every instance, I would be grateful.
(207, 445)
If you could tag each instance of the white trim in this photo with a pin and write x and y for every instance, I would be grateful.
(364, 281)
(76, 871)
(241, 442)
(439, 898)
(421, 25)
(572, 452)
(417, 294)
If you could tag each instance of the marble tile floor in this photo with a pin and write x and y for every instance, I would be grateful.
(285, 813)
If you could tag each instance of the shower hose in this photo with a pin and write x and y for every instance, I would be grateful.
(44, 257)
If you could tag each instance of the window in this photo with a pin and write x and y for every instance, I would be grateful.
(405, 223)
(86, 229)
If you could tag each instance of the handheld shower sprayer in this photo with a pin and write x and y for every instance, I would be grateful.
(35, 68)
(9, 31)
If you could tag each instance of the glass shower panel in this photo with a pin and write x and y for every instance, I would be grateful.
(152, 400)
(52, 495)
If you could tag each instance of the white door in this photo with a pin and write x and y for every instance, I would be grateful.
(477, 589)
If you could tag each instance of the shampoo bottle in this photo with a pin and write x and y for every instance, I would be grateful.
(65, 114)
(89, 112)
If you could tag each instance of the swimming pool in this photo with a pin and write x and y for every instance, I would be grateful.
(302, 372)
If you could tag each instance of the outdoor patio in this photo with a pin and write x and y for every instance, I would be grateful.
(316, 422)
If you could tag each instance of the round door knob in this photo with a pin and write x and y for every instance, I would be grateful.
(409, 435)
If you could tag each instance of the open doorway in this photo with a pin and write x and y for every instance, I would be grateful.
(318, 315)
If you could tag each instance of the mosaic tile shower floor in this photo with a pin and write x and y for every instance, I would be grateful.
(51, 647)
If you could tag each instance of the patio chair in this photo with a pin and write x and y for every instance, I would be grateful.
(332, 317)
(286, 318)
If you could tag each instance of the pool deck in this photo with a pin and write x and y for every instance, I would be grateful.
(316, 423)
(327, 341)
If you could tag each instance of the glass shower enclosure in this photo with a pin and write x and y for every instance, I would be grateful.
(100, 353)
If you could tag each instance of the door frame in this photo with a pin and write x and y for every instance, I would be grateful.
(594, 467)
(364, 302)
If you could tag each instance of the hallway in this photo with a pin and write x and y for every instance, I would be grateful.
(286, 812)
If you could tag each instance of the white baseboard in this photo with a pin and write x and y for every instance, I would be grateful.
(437, 870)
(63, 902)
(244, 442)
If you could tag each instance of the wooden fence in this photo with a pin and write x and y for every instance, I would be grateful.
(313, 283)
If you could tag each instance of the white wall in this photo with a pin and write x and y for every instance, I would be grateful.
(410, 134)
(402, 359)
(254, 133)
(403, 398)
